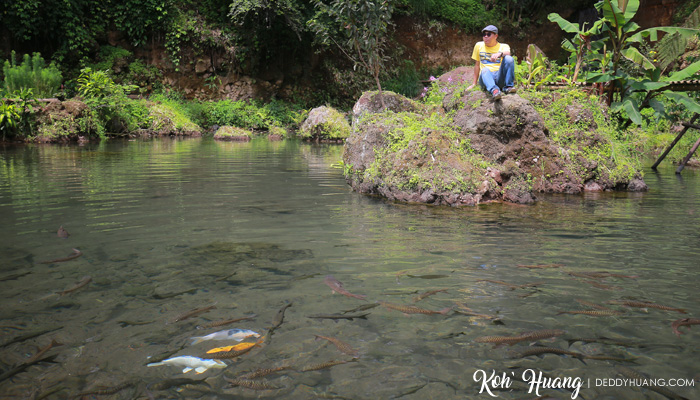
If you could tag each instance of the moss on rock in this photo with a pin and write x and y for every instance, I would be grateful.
(325, 123)
(166, 120)
(233, 133)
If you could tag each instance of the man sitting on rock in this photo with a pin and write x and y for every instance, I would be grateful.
(495, 68)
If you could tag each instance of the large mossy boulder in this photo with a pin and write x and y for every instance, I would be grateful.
(325, 123)
(167, 120)
(471, 150)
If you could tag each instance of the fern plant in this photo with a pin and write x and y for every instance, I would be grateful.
(32, 73)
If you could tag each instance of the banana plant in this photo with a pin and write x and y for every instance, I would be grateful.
(627, 93)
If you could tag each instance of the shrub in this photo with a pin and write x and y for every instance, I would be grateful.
(32, 74)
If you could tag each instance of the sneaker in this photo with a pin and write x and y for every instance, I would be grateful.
(496, 94)
(510, 90)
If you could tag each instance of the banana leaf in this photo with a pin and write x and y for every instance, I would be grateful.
(684, 100)
(638, 58)
(653, 33)
(685, 73)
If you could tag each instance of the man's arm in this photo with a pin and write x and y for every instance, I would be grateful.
(477, 70)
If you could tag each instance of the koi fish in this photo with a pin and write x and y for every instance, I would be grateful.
(235, 353)
(683, 322)
(342, 346)
(644, 304)
(76, 253)
(235, 347)
(337, 286)
(190, 363)
(413, 309)
(229, 334)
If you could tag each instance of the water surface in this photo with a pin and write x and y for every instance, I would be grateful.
(169, 226)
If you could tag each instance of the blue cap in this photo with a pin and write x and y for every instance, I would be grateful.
(490, 28)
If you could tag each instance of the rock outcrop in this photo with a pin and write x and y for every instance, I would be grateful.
(471, 150)
(325, 123)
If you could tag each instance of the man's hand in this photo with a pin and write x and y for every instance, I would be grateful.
(496, 56)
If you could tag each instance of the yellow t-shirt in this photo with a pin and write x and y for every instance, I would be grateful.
(483, 54)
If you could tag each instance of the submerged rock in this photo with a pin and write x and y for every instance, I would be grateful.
(233, 133)
(472, 150)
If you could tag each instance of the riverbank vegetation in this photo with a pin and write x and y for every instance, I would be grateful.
(118, 92)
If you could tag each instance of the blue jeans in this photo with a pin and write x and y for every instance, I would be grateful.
(503, 78)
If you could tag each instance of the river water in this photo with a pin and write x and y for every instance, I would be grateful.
(166, 227)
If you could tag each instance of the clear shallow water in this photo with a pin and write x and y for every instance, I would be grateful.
(169, 226)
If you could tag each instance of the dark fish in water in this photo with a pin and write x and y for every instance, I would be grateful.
(605, 340)
(250, 384)
(413, 309)
(62, 232)
(540, 266)
(603, 286)
(14, 276)
(28, 336)
(106, 391)
(337, 286)
(327, 364)
(601, 275)
(536, 351)
(642, 378)
(363, 307)
(342, 346)
(163, 296)
(594, 313)
(175, 382)
(83, 282)
(428, 276)
(592, 305)
(426, 294)
(279, 318)
(23, 366)
(40, 352)
(510, 285)
(193, 313)
(76, 253)
(259, 373)
(228, 321)
(683, 322)
(126, 323)
(644, 304)
(463, 309)
(526, 336)
(338, 316)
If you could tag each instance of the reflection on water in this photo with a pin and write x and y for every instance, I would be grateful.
(181, 234)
